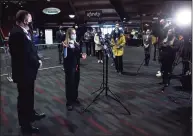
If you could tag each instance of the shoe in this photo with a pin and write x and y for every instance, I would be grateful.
(166, 85)
(77, 102)
(99, 61)
(69, 107)
(158, 74)
(29, 129)
(38, 117)
(161, 83)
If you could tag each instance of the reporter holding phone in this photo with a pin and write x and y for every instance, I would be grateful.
(118, 42)
(72, 55)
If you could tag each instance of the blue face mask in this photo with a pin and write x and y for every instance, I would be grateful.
(73, 37)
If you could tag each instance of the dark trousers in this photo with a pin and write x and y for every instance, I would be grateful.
(88, 48)
(99, 55)
(166, 67)
(147, 55)
(60, 53)
(25, 103)
(119, 63)
(186, 67)
(72, 77)
(93, 48)
(155, 51)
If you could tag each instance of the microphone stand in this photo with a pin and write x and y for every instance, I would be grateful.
(104, 87)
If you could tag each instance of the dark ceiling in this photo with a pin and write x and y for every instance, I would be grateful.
(128, 11)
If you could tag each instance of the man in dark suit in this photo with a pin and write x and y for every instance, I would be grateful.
(60, 37)
(25, 64)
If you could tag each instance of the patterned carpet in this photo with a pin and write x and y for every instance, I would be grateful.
(152, 112)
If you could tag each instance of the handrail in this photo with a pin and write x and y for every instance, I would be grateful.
(47, 44)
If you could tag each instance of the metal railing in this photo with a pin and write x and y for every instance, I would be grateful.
(47, 52)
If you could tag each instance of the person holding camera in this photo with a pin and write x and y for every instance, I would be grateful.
(72, 57)
(118, 42)
(98, 46)
(168, 50)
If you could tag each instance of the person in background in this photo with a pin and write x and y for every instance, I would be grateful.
(147, 43)
(36, 39)
(154, 43)
(167, 56)
(25, 63)
(98, 46)
(164, 27)
(93, 32)
(60, 36)
(72, 68)
(118, 42)
(87, 39)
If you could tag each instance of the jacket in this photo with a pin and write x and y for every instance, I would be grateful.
(24, 57)
(120, 42)
(72, 61)
(97, 43)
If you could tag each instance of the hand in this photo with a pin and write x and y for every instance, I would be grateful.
(84, 55)
(118, 47)
(40, 63)
(64, 45)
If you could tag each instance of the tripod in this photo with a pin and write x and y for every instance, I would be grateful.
(104, 87)
(140, 66)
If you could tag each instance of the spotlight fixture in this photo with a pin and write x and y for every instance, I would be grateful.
(71, 16)
(183, 17)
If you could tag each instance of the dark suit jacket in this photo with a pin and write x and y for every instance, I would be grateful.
(24, 57)
(60, 37)
(72, 61)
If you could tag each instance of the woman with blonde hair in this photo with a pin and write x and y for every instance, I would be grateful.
(72, 55)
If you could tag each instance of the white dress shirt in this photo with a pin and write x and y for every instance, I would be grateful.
(27, 33)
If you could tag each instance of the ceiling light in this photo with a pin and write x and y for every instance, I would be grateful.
(71, 16)
(130, 22)
(124, 18)
(51, 11)
(155, 18)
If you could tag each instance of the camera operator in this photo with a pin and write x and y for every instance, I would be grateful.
(164, 26)
(60, 36)
(118, 42)
(168, 50)
(186, 55)
(147, 42)
(98, 46)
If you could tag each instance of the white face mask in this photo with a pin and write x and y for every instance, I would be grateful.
(73, 37)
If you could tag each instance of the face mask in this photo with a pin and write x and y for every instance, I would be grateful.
(73, 37)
